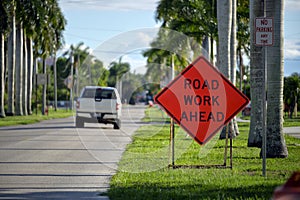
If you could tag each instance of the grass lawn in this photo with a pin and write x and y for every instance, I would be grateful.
(22, 120)
(295, 121)
(144, 172)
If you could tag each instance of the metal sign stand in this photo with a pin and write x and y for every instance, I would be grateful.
(264, 131)
(172, 139)
(172, 152)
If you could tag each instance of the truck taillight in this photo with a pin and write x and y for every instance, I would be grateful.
(117, 106)
(77, 104)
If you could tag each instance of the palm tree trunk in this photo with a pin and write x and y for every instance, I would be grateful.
(205, 45)
(212, 56)
(241, 68)
(24, 79)
(30, 75)
(233, 44)
(77, 75)
(233, 62)
(55, 83)
(35, 72)
(224, 16)
(224, 29)
(19, 69)
(11, 67)
(44, 100)
(2, 73)
(276, 146)
(256, 80)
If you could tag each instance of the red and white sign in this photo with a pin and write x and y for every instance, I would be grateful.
(264, 34)
(201, 100)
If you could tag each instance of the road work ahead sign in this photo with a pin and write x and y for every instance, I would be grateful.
(201, 100)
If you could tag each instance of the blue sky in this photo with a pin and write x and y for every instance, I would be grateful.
(96, 22)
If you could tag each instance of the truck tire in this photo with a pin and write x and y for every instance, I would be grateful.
(79, 123)
(117, 124)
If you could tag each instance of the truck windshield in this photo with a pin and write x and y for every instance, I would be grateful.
(99, 93)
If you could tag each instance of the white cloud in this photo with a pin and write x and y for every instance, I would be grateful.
(137, 63)
(292, 5)
(292, 49)
(124, 43)
(114, 5)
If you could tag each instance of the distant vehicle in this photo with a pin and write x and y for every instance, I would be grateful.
(98, 105)
(247, 110)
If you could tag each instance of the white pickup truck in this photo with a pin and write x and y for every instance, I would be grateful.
(98, 105)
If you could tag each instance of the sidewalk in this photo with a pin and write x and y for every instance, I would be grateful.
(292, 131)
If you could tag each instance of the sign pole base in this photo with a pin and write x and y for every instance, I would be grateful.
(172, 152)
(226, 145)
(172, 145)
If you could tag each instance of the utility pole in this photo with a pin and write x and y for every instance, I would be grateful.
(55, 83)
(72, 81)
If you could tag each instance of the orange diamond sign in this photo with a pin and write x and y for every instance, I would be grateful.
(201, 100)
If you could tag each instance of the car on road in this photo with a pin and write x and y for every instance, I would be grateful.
(247, 110)
(98, 105)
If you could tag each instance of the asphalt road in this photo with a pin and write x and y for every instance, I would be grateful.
(54, 160)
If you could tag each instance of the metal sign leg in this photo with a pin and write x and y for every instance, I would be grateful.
(226, 145)
(172, 145)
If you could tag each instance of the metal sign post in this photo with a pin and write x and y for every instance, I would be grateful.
(172, 144)
(264, 36)
(264, 132)
(172, 125)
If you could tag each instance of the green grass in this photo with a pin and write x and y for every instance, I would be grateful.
(295, 121)
(144, 172)
(30, 119)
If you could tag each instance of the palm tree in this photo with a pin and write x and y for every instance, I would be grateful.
(49, 25)
(116, 70)
(30, 74)
(100, 72)
(59, 23)
(19, 68)
(224, 29)
(25, 74)
(243, 36)
(11, 61)
(78, 53)
(45, 38)
(224, 60)
(29, 16)
(4, 27)
(196, 19)
(155, 68)
(21, 61)
(2, 73)
(167, 44)
(256, 80)
(38, 23)
(233, 63)
(291, 93)
(276, 146)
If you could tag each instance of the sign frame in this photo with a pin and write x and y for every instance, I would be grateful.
(226, 82)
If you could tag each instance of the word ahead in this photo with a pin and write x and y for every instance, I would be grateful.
(201, 100)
